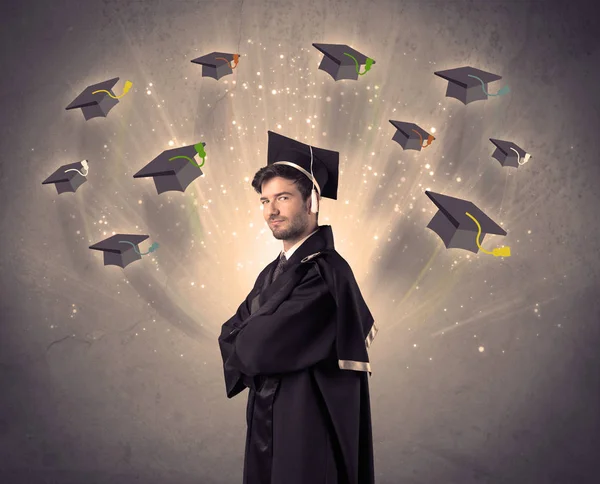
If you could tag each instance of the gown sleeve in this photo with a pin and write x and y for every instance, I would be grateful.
(234, 380)
(298, 334)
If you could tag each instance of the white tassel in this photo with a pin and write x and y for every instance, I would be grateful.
(314, 202)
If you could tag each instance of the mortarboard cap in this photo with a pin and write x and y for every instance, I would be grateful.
(411, 136)
(325, 166)
(217, 64)
(173, 170)
(343, 62)
(68, 178)
(509, 154)
(122, 249)
(468, 84)
(94, 105)
(459, 230)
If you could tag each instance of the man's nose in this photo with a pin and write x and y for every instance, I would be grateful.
(272, 209)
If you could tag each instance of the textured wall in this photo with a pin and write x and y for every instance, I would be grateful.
(485, 370)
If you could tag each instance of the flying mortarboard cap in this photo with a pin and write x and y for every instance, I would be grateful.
(173, 169)
(343, 62)
(459, 231)
(468, 84)
(411, 136)
(118, 253)
(217, 64)
(325, 166)
(94, 105)
(68, 178)
(509, 154)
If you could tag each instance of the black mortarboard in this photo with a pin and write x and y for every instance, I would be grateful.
(68, 178)
(325, 166)
(120, 249)
(343, 62)
(457, 229)
(468, 84)
(94, 105)
(173, 170)
(217, 64)
(509, 154)
(411, 136)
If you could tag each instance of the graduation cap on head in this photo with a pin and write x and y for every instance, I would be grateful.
(509, 154)
(122, 249)
(323, 173)
(468, 84)
(343, 62)
(174, 170)
(98, 99)
(462, 225)
(411, 136)
(217, 64)
(68, 178)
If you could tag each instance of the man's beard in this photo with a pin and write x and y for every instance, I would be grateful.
(295, 227)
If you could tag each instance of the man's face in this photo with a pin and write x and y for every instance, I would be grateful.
(283, 208)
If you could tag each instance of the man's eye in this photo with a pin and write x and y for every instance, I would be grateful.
(282, 197)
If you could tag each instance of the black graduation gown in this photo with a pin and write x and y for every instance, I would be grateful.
(309, 421)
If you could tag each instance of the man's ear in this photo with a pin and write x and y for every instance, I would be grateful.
(307, 204)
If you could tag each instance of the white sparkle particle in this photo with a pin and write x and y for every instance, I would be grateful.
(481, 349)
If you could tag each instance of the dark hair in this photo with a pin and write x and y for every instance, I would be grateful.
(266, 173)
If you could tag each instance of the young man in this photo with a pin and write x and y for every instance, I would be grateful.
(299, 341)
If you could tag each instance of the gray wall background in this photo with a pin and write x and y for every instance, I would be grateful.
(485, 370)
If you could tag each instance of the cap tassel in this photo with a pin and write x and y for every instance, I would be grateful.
(126, 89)
(85, 166)
(314, 200)
(152, 248)
(501, 92)
(497, 252)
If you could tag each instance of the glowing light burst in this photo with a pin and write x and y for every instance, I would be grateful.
(214, 241)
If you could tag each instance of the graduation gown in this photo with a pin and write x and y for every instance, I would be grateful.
(299, 344)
